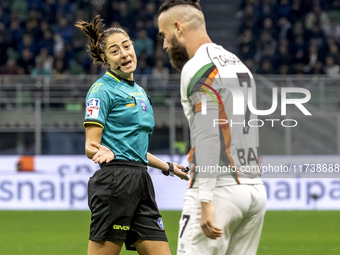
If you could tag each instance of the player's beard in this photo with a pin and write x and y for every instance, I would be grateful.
(178, 54)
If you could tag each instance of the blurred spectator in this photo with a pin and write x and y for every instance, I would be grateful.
(284, 26)
(44, 27)
(32, 25)
(317, 17)
(160, 74)
(299, 49)
(265, 66)
(249, 21)
(4, 17)
(299, 69)
(59, 67)
(268, 26)
(65, 8)
(27, 43)
(19, 9)
(334, 10)
(150, 11)
(297, 11)
(296, 30)
(59, 56)
(283, 60)
(151, 30)
(250, 64)
(58, 44)
(267, 46)
(26, 60)
(111, 11)
(35, 4)
(44, 61)
(247, 45)
(311, 58)
(331, 69)
(334, 52)
(317, 34)
(39, 70)
(284, 9)
(47, 42)
(142, 67)
(143, 44)
(99, 5)
(333, 29)
(139, 25)
(15, 32)
(124, 17)
(267, 11)
(318, 68)
(49, 10)
(11, 67)
(64, 29)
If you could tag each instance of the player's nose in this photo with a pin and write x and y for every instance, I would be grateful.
(165, 45)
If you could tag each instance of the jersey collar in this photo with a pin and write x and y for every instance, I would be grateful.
(118, 78)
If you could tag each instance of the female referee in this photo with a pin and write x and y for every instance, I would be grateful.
(118, 124)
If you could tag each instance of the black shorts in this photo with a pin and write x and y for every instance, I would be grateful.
(123, 208)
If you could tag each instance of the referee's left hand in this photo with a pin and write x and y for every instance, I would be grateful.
(103, 154)
(179, 173)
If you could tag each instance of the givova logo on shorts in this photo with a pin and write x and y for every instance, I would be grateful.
(119, 227)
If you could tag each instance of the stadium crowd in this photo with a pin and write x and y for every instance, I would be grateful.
(290, 36)
(38, 37)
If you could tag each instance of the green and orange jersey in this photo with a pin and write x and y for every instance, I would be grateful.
(223, 144)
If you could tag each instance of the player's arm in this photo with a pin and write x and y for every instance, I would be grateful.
(93, 149)
(160, 164)
(208, 144)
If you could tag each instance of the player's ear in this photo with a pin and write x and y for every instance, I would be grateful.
(178, 28)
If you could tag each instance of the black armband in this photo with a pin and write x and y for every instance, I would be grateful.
(170, 171)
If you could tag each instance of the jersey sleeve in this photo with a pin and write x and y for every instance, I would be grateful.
(185, 80)
(97, 106)
(207, 141)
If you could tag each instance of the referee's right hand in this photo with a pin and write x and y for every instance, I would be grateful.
(103, 154)
(178, 172)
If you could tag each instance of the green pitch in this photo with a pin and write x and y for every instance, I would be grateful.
(66, 232)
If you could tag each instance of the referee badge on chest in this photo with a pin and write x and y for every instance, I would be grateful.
(143, 105)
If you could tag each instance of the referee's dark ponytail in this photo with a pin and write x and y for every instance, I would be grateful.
(97, 40)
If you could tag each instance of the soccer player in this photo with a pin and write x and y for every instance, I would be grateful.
(118, 124)
(224, 206)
